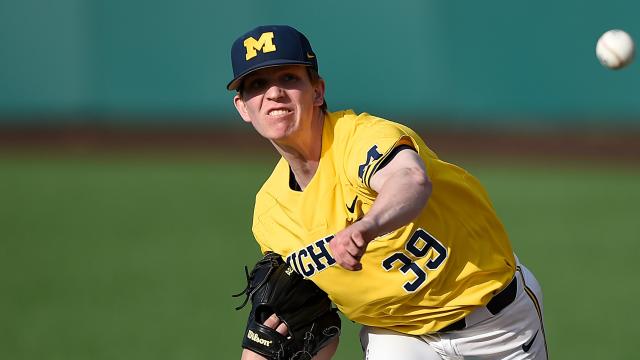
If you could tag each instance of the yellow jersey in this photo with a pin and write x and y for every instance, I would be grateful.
(451, 258)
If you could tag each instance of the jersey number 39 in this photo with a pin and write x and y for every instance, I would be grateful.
(417, 247)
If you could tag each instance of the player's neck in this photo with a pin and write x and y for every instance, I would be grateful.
(303, 164)
(304, 172)
(303, 156)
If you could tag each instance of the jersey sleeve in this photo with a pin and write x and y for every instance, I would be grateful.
(259, 232)
(261, 240)
(370, 147)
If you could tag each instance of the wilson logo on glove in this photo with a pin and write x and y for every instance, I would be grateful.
(255, 337)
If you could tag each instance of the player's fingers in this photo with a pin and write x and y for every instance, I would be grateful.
(355, 266)
(357, 239)
(354, 250)
(349, 262)
(282, 329)
(351, 251)
(342, 249)
(272, 321)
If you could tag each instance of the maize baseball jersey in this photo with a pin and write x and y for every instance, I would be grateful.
(454, 256)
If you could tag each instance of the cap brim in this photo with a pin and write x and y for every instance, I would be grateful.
(233, 84)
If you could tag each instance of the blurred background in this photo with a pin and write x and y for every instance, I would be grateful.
(127, 179)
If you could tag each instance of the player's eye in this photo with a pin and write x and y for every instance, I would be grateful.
(288, 78)
(257, 84)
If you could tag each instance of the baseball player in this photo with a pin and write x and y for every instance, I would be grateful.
(404, 243)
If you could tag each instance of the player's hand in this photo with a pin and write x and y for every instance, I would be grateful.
(350, 244)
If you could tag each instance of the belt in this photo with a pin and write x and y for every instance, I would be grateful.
(495, 305)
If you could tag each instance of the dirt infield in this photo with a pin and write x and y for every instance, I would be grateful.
(610, 145)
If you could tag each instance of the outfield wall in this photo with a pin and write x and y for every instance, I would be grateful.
(413, 59)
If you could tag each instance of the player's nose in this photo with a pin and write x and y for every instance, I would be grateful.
(274, 92)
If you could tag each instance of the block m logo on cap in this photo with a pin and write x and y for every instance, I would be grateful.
(264, 44)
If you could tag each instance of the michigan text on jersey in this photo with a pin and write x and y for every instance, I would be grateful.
(313, 258)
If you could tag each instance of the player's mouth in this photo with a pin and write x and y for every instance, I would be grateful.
(278, 112)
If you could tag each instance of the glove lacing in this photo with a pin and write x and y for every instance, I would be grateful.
(245, 291)
(250, 290)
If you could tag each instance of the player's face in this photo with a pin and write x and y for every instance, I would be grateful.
(279, 101)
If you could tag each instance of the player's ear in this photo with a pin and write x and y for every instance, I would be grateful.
(241, 107)
(318, 92)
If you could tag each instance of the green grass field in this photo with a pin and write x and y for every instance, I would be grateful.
(136, 257)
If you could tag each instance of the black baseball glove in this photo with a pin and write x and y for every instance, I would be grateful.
(274, 287)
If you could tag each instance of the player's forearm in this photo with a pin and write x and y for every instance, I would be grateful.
(400, 199)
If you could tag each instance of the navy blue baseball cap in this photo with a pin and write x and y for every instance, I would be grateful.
(267, 46)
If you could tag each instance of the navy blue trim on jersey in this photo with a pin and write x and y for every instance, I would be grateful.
(386, 159)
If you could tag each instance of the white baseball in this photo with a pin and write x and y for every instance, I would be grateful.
(615, 49)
